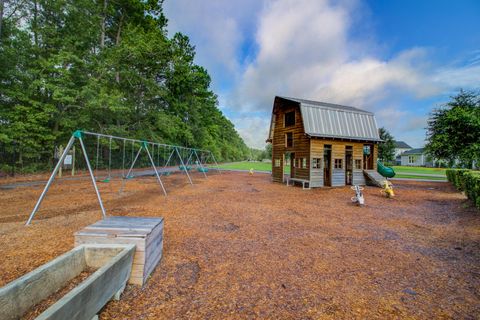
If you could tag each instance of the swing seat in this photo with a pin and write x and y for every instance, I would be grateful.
(200, 169)
(183, 168)
(105, 180)
(128, 177)
(166, 173)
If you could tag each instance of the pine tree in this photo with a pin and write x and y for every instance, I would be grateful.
(104, 66)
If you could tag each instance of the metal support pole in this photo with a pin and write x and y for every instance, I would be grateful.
(60, 150)
(133, 147)
(93, 177)
(200, 163)
(184, 167)
(50, 180)
(133, 163)
(189, 157)
(155, 169)
(124, 181)
(73, 161)
(202, 156)
(168, 161)
(123, 160)
(110, 159)
(213, 157)
(98, 152)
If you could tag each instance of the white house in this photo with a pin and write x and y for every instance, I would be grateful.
(416, 158)
(400, 147)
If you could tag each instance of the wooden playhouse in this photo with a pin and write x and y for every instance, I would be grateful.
(324, 144)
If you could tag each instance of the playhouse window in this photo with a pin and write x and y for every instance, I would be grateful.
(277, 162)
(366, 150)
(358, 164)
(297, 162)
(290, 119)
(317, 163)
(289, 139)
(411, 159)
(304, 163)
(338, 164)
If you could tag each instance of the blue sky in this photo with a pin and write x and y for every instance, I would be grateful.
(399, 59)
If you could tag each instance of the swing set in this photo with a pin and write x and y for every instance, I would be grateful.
(195, 159)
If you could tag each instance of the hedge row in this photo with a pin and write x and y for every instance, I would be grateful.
(467, 181)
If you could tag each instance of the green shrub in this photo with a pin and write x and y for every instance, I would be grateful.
(472, 186)
(468, 181)
(455, 176)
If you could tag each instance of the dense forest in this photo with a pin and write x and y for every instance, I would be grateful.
(106, 66)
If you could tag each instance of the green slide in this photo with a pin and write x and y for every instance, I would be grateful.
(387, 172)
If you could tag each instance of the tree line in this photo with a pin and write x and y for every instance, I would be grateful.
(106, 66)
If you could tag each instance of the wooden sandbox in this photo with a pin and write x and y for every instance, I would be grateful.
(145, 233)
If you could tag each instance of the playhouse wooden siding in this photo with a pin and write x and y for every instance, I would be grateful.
(338, 152)
(301, 143)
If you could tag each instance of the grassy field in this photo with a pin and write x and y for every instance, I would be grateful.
(412, 176)
(245, 165)
(422, 170)
(401, 171)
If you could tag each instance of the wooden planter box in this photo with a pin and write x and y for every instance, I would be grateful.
(145, 233)
(114, 263)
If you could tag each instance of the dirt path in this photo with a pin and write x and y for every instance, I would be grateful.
(239, 246)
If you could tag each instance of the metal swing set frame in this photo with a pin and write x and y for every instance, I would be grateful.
(144, 145)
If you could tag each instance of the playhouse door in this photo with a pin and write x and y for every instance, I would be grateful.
(368, 156)
(348, 165)
(327, 166)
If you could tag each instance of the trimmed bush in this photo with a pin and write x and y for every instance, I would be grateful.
(472, 186)
(455, 176)
(467, 181)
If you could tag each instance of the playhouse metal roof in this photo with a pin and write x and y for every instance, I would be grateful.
(328, 120)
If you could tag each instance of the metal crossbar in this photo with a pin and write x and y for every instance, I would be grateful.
(144, 145)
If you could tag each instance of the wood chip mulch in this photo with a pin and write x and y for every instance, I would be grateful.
(239, 246)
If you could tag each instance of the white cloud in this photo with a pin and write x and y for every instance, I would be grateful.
(454, 78)
(304, 48)
(218, 29)
(299, 43)
(388, 117)
(305, 51)
(253, 130)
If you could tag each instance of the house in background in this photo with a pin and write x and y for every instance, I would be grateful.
(400, 147)
(325, 144)
(416, 158)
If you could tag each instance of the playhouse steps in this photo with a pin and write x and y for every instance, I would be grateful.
(374, 178)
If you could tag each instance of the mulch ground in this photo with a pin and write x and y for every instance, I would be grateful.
(240, 246)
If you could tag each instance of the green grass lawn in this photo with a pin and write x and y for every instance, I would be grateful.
(422, 170)
(245, 165)
(401, 171)
(412, 176)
